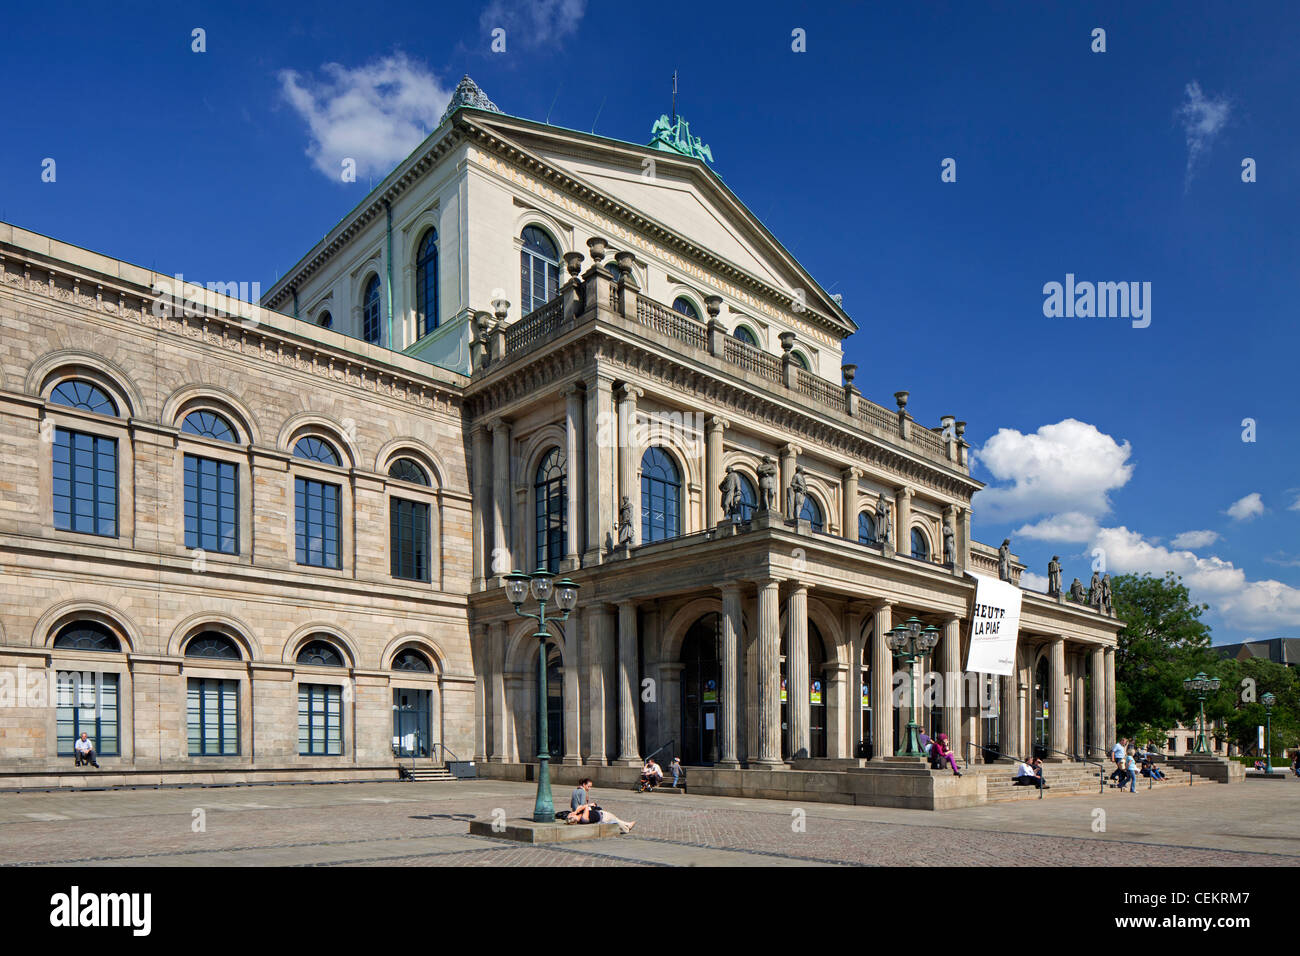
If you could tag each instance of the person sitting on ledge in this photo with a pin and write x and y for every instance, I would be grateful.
(1026, 777)
(943, 753)
(582, 810)
(83, 752)
(651, 775)
(1149, 769)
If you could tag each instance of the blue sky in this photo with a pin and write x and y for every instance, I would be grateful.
(1115, 166)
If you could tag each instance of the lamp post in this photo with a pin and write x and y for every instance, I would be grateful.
(909, 641)
(1268, 700)
(1198, 685)
(564, 593)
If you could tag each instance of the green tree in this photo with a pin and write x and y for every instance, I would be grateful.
(1163, 641)
(1238, 704)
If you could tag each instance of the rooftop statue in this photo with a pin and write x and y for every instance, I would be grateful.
(1107, 598)
(467, 93)
(1054, 576)
(1076, 592)
(732, 496)
(674, 136)
(1004, 560)
(1094, 591)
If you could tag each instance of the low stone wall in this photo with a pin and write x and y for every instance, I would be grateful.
(1218, 769)
(909, 786)
(92, 779)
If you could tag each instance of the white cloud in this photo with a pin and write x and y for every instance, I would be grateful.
(1251, 506)
(1069, 467)
(1192, 539)
(1202, 120)
(1035, 582)
(1068, 526)
(1295, 505)
(1249, 605)
(374, 114)
(533, 23)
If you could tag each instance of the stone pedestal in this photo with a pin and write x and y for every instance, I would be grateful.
(528, 831)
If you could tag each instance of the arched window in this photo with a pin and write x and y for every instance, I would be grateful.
(320, 653)
(370, 312)
(539, 269)
(920, 545)
(412, 660)
(686, 307)
(743, 334)
(405, 469)
(748, 499)
(550, 493)
(426, 284)
(614, 270)
(661, 491)
(87, 636)
(325, 321)
(801, 360)
(812, 513)
(312, 448)
(75, 393)
(866, 528)
(209, 425)
(213, 644)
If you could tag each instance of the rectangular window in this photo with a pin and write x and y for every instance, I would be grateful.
(211, 505)
(213, 712)
(409, 539)
(87, 702)
(411, 722)
(85, 483)
(316, 514)
(320, 719)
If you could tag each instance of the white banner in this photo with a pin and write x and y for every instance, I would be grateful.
(994, 626)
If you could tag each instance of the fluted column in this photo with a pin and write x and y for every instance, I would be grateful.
(629, 683)
(1098, 740)
(497, 690)
(576, 468)
(1111, 732)
(499, 560)
(849, 503)
(729, 692)
(796, 665)
(950, 666)
(767, 751)
(1008, 720)
(572, 692)
(482, 670)
(1056, 722)
(598, 471)
(1079, 707)
(882, 683)
(481, 472)
(629, 458)
(599, 619)
(713, 471)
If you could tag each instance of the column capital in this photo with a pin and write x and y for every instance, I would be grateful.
(791, 449)
(498, 423)
(573, 388)
(731, 587)
(880, 604)
(850, 473)
(953, 619)
(630, 393)
(795, 586)
(630, 603)
(903, 491)
(718, 423)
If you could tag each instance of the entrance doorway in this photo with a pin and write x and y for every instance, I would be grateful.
(701, 682)
(1042, 714)
(817, 695)
(554, 703)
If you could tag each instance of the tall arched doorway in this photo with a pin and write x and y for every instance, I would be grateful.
(1042, 696)
(554, 703)
(817, 694)
(701, 680)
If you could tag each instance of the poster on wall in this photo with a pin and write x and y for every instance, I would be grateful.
(815, 693)
(994, 626)
(866, 697)
(710, 691)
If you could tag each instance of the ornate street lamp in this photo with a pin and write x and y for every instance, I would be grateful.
(909, 641)
(545, 590)
(1199, 685)
(1268, 700)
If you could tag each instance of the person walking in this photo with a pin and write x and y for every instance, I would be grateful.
(1131, 768)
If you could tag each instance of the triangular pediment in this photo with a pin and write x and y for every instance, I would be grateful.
(677, 192)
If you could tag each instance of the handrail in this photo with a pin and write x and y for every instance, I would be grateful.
(971, 743)
(1101, 767)
(446, 750)
(671, 740)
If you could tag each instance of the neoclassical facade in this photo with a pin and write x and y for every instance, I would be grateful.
(275, 537)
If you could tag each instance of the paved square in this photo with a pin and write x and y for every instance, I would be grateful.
(410, 824)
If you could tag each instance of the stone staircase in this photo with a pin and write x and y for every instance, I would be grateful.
(425, 774)
(1066, 779)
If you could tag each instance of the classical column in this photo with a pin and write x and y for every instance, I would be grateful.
(853, 699)
(882, 684)
(849, 503)
(572, 693)
(729, 691)
(790, 453)
(669, 706)
(602, 439)
(1079, 743)
(950, 667)
(713, 472)
(629, 458)
(629, 685)
(1098, 740)
(576, 466)
(1056, 722)
(498, 704)
(903, 521)
(599, 619)
(482, 669)
(1111, 732)
(766, 752)
(481, 470)
(796, 668)
(1008, 715)
(499, 562)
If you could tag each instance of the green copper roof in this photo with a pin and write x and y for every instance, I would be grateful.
(675, 137)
